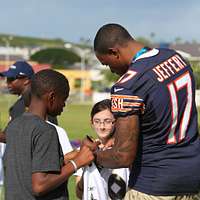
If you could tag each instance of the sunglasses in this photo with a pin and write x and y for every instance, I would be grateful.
(11, 79)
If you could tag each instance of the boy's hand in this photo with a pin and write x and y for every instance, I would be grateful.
(70, 156)
(84, 157)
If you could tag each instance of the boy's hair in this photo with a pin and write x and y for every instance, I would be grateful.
(110, 35)
(49, 80)
(100, 106)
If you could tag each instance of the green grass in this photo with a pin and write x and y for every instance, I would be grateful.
(5, 102)
(75, 119)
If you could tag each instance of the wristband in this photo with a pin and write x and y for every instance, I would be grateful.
(74, 165)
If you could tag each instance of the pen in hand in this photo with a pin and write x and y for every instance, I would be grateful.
(90, 138)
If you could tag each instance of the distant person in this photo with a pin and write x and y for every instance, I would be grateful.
(156, 126)
(18, 78)
(106, 183)
(18, 81)
(33, 161)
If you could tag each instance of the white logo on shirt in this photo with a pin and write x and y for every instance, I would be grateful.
(118, 89)
(12, 67)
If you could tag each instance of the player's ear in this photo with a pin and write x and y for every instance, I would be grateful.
(26, 81)
(51, 97)
(114, 52)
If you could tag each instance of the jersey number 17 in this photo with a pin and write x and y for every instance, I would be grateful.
(181, 82)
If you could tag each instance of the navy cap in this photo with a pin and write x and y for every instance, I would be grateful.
(20, 68)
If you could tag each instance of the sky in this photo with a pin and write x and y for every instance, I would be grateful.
(72, 20)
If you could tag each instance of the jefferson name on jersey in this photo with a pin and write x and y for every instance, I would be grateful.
(169, 67)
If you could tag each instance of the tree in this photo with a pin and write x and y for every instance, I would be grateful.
(109, 77)
(58, 57)
(196, 71)
(178, 40)
(143, 40)
(152, 36)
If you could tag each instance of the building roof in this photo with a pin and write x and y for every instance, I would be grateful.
(191, 48)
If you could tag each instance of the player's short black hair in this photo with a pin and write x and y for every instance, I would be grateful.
(110, 35)
(49, 80)
(100, 106)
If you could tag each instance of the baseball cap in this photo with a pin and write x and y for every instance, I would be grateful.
(19, 68)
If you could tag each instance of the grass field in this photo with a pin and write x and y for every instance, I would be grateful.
(75, 120)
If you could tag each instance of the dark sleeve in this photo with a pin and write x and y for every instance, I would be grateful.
(17, 109)
(46, 152)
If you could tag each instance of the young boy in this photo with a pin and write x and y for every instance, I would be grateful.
(34, 163)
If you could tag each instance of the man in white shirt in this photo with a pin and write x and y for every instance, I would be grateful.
(63, 139)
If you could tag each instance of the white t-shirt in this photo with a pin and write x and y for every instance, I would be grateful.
(96, 184)
(63, 139)
(2, 150)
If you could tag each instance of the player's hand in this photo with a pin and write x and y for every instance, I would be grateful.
(91, 143)
(109, 144)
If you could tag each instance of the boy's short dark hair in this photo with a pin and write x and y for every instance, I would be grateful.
(47, 80)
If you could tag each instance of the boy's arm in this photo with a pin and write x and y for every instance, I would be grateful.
(43, 183)
(70, 156)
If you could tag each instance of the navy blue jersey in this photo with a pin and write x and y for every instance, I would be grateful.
(159, 87)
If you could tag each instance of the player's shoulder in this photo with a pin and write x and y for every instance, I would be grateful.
(166, 52)
(130, 75)
(18, 105)
(131, 78)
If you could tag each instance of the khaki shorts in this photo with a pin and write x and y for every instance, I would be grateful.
(135, 195)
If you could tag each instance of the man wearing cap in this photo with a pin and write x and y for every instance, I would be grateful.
(18, 81)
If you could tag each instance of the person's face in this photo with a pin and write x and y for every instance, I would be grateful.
(16, 85)
(114, 61)
(56, 104)
(103, 124)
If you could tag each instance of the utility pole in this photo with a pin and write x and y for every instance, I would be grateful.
(7, 45)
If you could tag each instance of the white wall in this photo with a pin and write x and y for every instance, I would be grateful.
(98, 96)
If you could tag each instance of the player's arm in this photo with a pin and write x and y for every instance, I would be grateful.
(2, 137)
(42, 182)
(124, 150)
